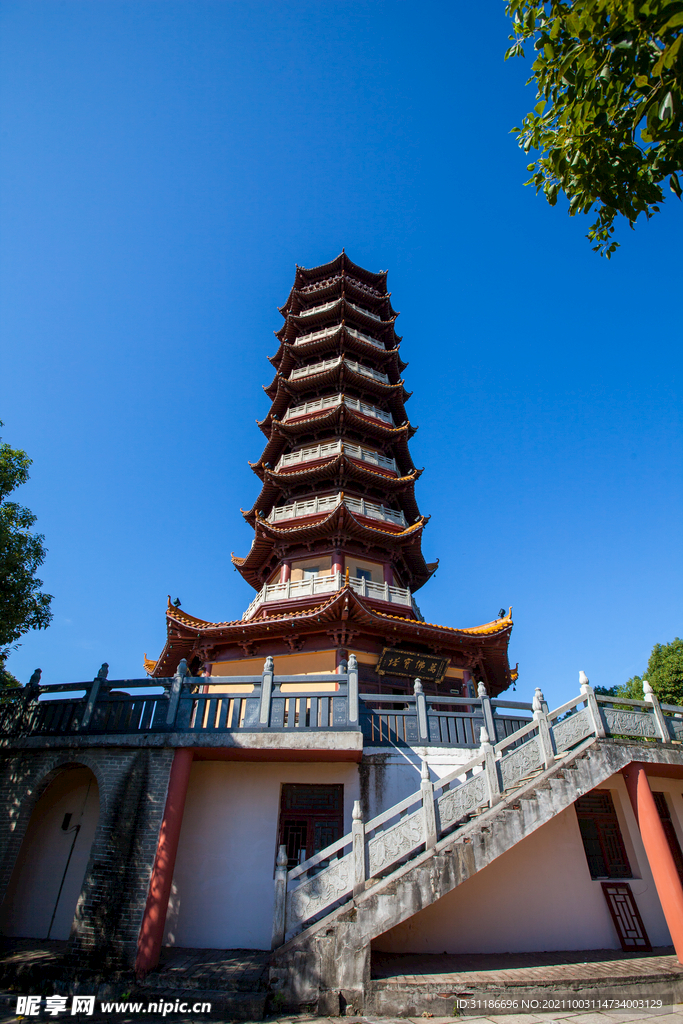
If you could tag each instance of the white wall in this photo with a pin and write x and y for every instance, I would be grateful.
(538, 896)
(392, 773)
(222, 895)
(34, 887)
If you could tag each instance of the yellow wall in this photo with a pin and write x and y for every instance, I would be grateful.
(324, 564)
(285, 665)
(376, 568)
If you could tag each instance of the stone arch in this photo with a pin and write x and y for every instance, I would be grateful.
(59, 816)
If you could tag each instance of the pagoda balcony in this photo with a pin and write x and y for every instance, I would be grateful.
(327, 332)
(365, 312)
(325, 451)
(303, 339)
(315, 368)
(365, 337)
(331, 402)
(318, 309)
(316, 506)
(330, 364)
(315, 586)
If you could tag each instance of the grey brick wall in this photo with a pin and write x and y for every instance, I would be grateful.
(132, 786)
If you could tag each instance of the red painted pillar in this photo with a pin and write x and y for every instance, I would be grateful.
(154, 920)
(337, 562)
(285, 571)
(389, 573)
(660, 858)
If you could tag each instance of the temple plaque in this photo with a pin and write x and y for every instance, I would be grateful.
(415, 666)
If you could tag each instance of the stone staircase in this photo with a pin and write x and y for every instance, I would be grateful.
(462, 824)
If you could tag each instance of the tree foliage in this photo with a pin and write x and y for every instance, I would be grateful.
(609, 121)
(664, 674)
(22, 604)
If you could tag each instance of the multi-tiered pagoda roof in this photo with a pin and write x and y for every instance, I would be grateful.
(337, 528)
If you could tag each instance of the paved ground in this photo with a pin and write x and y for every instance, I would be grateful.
(672, 1015)
(505, 968)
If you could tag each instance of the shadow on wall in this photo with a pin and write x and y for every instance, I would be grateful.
(48, 877)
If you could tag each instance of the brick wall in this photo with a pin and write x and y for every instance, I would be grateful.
(132, 786)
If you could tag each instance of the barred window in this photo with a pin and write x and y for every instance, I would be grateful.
(601, 835)
(311, 818)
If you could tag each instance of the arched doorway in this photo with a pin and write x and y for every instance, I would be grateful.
(48, 877)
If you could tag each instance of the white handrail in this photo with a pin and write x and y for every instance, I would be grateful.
(327, 364)
(365, 312)
(318, 309)
(330, 448)
(303, 339)
(313, 507)
(315, 368)
(331, 401)
(326, 584)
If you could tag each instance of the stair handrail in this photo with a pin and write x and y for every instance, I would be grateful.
(436, 810)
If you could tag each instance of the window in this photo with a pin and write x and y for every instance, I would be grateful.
(311, 818)
(311, 572)
(601, 835)
(363, 574)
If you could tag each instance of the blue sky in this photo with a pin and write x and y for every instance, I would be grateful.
(164, 167)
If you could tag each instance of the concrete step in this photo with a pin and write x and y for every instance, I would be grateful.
(414, 984)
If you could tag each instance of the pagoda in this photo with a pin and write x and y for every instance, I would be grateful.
(337, 557)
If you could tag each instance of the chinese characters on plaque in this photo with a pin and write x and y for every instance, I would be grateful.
(415, 666)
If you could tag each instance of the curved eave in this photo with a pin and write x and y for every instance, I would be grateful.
(339, 286)
(251, 565)
(341, 263)
(341, 342)
(490, 640)
(335, 312)
(341, 464)
(497, 630)
(338, 376)
(341, 518)
(333, 418)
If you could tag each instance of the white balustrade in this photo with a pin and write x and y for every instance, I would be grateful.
(372, 511)
(327, 584)
(315, 506)
(368, 410)
(328, 364)
(366, 338)
(331, 401)
(318, 309)
(317, 405)
(315, 368)
(331, 448)
(367, 455)
(304, 508)
(327, 332)
(367, 371)
(365, 312)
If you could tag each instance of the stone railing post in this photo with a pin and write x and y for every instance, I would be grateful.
(545, 739)
(487, 711)
(280, 907)
(176, 690)
(266, 692)
(352, 692)
(651, 698)
(429, 817)
(358, 846)
(93, 695)
(490, 767)
(593, 706)
(421, 709)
